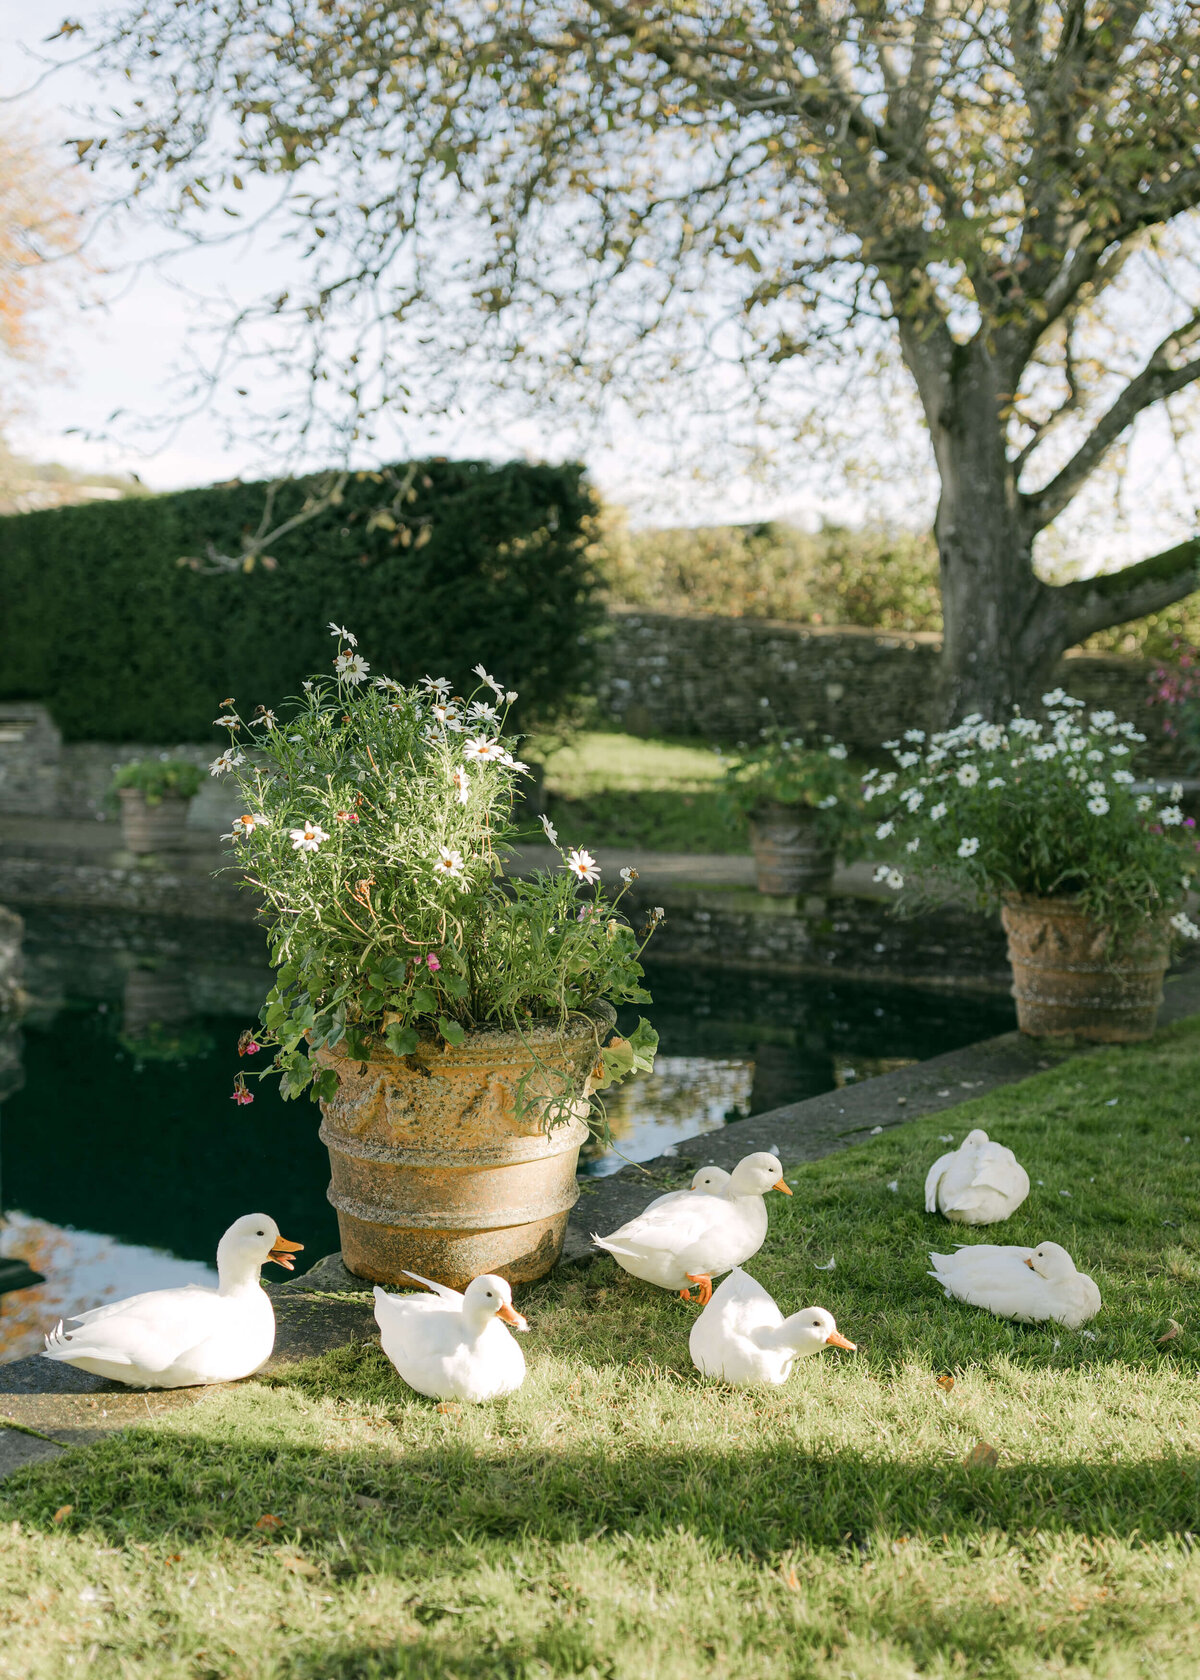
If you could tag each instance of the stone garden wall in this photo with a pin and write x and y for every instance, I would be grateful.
(666, 675)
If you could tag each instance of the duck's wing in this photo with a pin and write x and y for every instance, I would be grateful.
(668, 1227)
(933, 1178)
(998, 1169)
(153, 1331)
(138, 1303)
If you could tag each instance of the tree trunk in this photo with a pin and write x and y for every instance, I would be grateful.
(1003, 634)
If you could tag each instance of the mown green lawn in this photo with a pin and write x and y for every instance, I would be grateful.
(618, 1519)
(612, 790)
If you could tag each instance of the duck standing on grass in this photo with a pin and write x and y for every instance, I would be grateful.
(979, 1183)
(450, 1346)
(690, 1239)
(179, 1338)
(1032, 1285)
(743, 1339)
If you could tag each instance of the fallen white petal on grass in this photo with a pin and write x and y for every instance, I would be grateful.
(1064, 1192)
(1089, 1335)
(829, 1268)
(875, 1130)
(1112, 1102)
(945, 1137)
(895, 1185)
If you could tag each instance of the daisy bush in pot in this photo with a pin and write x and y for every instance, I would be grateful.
(1045, 818)
(377, 826)
(452, 1019)
(803, 803)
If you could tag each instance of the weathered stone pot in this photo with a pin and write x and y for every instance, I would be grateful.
(153, 828)
(790, 854)
(1071, 978)
(432, 1171)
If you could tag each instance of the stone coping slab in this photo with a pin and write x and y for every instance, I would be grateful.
(54, 1406)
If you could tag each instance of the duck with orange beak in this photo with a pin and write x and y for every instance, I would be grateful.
(692, 1239)
(450, 1346)
(180, 1338)
(743, 1339)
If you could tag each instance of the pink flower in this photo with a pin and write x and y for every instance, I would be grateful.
(248, 1045)
(432, 963)
(240, 1094)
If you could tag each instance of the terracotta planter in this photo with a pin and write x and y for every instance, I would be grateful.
(1069, 979)
(789, 854)
(432, 1171)
(153, 828)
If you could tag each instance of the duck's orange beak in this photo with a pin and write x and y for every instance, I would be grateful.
(1029, 1263)
(836, 1339)
(780, 1185)
(510, 1316)
(283, 1251)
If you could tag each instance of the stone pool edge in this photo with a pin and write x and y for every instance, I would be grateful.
(46, 1408)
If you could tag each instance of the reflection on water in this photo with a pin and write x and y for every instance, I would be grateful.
(116, 1116)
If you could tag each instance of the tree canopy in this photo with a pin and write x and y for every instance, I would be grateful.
(1004, 193)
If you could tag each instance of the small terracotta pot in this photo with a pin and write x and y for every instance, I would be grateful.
(432, 1170)
(1071, 978)
(153, 828)
(790, 856)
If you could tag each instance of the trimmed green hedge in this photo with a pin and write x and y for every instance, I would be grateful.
(100, 622)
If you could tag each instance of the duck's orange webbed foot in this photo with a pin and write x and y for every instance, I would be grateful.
(685, 1294)
(704, 1283)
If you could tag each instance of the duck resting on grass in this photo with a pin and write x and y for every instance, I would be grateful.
(450, 1346)
(709, 1181)
(180, 1338)
(979, 1183)
(1032, 1285)
(743, 1339)
(692, 1239)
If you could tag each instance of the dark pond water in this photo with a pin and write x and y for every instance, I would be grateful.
(122, 1157)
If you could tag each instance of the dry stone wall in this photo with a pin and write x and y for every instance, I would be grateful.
(720, 678)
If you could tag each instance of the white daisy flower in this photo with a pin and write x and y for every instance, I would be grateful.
(1124, 777)
(968, 848)
(581, 863)
(967, 775)
(990, 737)
(1098, 805)
(449, 862)
(1095, 756)
(906, 760)
(344, 635)
(915, 735)
(308, 838)
(551, 831)
(937, 812)
(227, 720)
(462, 783)
(477, 710)
(443, 712)
(882, 871)
(828, 802)
(837, 750)
(913, 798)
(1170, 816)
(1102, 720)
(440, 686)
(1044, 751)
(1144, 802)
(1183, 924)
(1056, 697)
(894, 879)
(658, 914)
(628, 875)
(352, 667)
(1176, 792)
(243, 827)
(510, 699)
(1097, 789)
(228, 760)
(482, 751)
(1118, 749)
(511, 763)
(885, 831)
(389, 685)
(996, 782)
(913, 845)
(490, 681)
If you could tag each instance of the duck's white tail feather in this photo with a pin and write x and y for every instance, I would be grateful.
(441, 1289)
(612, 1247)
(59, 1345)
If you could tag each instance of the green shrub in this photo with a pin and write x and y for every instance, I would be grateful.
(105, 626)
(158, 777)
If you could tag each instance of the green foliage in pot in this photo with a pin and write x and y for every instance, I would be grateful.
(378, 821)
(157, 779)
(784, 770)
(1049, 809)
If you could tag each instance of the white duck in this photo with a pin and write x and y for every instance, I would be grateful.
(690, 1239)
(742, 1338)
(1032, 1285)
(178, 1338)
(451, 1346)
(709, 1181)
(979, 1183)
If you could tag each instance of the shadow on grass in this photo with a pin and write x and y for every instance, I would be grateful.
(387, 1498)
